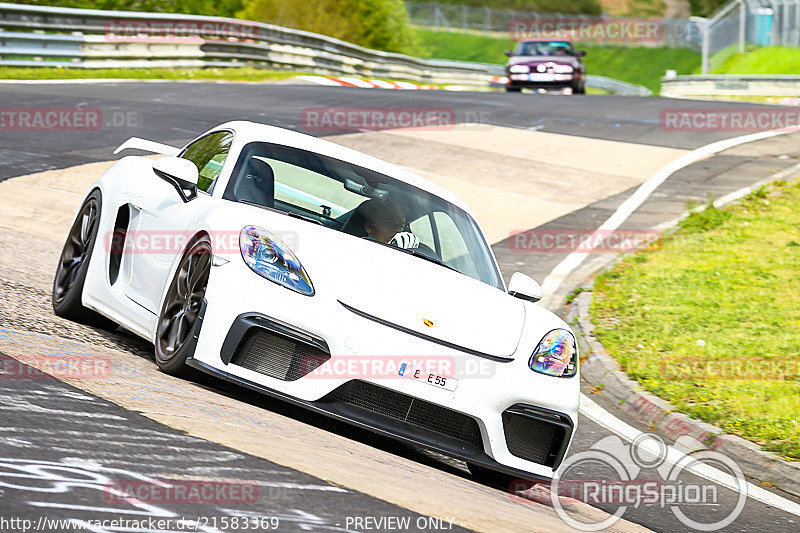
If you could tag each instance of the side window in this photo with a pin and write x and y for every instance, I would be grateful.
(422, 229)
(454, 250)
(209, 154)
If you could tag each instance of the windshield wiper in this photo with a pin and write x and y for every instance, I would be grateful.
(423, 255)
(288, 213)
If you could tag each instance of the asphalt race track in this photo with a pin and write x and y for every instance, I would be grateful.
(104, 439)
(178, 112)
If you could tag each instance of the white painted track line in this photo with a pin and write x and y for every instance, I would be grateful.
(562, 270)
(600, 416)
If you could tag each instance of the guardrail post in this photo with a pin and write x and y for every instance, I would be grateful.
(705, 31)
(742, 24)
(797, 22)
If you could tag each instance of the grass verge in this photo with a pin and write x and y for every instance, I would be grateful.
(642, 66)
(708, 318)
(204, 74)
(764, 60)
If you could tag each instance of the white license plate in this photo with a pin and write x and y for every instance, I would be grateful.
(431, 378)
(541, 76)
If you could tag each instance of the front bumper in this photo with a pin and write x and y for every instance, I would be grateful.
(490, 397)
(524, 81)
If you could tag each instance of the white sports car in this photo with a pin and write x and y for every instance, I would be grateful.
(332, 280)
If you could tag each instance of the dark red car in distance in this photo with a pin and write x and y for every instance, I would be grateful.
(546, 64)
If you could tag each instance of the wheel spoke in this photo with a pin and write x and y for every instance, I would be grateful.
(75, 240)
(172, 309)
(74, 268)
(181, 287)
(88, 223)
(182, 329)
(199, 273)
(173, 333)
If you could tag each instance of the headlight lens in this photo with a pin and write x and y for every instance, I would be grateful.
(562, 69)
(518, 69)
(556, 355)
(267, 256)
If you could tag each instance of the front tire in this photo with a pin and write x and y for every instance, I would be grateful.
(74, 264)
(181, 309)
(513, 89)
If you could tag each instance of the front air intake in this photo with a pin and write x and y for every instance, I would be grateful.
(277, 356)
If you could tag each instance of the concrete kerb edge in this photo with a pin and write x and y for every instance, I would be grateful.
(600, 370)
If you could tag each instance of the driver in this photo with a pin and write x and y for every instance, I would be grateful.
(385, 222)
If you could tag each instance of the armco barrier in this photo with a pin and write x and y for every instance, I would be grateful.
(730, 85)
(80, 38)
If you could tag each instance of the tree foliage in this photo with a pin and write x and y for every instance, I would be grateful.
(587, 7)
(381, 24)
(219, 8)
(704, 8)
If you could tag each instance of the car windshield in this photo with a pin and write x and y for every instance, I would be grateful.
(545, 48)
(362, 203)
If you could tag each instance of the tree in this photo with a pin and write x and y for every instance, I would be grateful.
(380, 24)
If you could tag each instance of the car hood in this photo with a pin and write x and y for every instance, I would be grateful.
(535, 60)
(429, 300)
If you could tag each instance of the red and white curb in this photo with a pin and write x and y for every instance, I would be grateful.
(345, 81)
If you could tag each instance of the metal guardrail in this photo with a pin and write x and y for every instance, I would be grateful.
(264, 44)
(617, 86)
(85, 38)
(731, 85)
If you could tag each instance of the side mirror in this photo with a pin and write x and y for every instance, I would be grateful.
(581, 53)
(524, 287)
(180, 173)
(509, 53)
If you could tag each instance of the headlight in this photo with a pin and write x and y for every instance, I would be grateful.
(517, 69)
(562, 69)
(267, 256)
(556, 355)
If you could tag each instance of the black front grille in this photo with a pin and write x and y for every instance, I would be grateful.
(411, 410)
(277, 356)
(533, 439)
